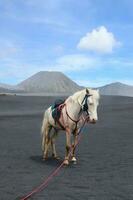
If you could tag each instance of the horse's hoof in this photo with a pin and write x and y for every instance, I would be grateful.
(74, 160)
(66, 162)
(57, 158)
(45, 158)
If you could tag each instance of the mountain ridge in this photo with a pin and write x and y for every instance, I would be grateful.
(117, 88)
(53, 82)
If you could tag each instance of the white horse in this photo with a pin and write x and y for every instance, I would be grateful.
(70, 120)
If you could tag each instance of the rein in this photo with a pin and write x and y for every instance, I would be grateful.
(54, 173)
(76, 121)
(84, 107)
(44, 184)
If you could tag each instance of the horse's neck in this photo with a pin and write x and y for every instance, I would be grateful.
(78, 97)
(74, 106)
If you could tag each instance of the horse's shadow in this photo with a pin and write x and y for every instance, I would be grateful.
(50, 161)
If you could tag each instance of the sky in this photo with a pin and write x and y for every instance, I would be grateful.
(90, 41)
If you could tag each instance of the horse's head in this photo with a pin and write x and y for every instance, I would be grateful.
(90, 104)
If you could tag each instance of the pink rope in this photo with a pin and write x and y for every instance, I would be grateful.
(44, 184)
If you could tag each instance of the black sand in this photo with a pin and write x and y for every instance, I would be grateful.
(105, 154)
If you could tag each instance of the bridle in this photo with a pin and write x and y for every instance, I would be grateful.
(84, 108)
(84, 104)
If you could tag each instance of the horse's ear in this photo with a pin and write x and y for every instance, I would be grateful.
(87, 91)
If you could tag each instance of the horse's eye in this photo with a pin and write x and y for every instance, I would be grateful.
(90, 104)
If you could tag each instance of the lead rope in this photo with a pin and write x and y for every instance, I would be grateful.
(45, 183)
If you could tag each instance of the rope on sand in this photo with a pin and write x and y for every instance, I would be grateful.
(45, 183)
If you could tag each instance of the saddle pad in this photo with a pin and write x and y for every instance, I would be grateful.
(58, 102)
(56, 112)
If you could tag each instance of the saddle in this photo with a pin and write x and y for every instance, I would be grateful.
(56, 109)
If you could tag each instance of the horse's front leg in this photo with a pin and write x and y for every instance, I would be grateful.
(75, 140)
(68, 146)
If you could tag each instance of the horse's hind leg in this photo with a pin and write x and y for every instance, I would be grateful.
(46, 142)
(53, 138)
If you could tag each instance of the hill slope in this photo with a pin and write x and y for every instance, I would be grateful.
(117, 89)
(5, 88)
(48, 82)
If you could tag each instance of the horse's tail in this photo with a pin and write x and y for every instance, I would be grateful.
(43, 129)
(43, 124)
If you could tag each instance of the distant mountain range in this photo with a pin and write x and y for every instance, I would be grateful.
(56, 83)
(117, 89)
(4, 88)
(44, 82)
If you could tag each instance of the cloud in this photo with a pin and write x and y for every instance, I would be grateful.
(21, 69)
(99, 40)
(75, 62)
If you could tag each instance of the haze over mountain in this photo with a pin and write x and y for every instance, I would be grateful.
(49, 82)
(117, 88)
(4, 90)
(6, 86)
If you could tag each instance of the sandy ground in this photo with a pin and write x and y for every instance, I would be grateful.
(105, 155)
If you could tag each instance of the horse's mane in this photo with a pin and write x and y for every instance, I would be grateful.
(81, 93)
(76, 95)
